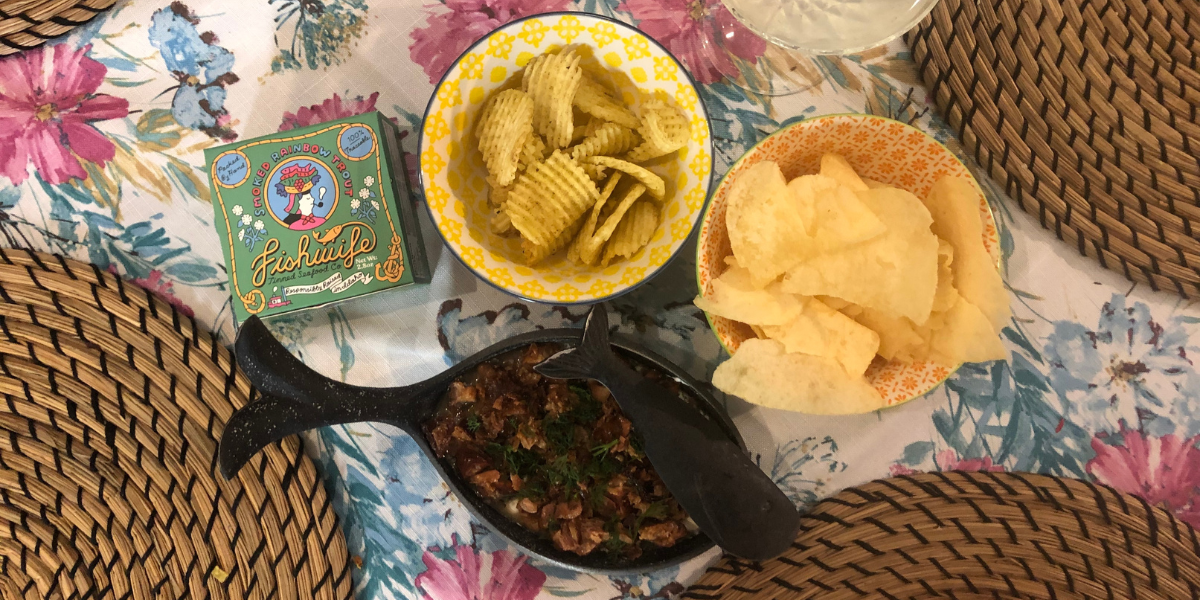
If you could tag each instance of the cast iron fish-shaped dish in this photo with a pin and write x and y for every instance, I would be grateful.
(695, 448)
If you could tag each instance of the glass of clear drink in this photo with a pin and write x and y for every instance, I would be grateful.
(815, 27)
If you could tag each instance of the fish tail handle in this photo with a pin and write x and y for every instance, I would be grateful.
(591, 359)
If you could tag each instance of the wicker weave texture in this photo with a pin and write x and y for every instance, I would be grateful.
(25, 24)
(973, 535)
(113, 405)
(1086, 111)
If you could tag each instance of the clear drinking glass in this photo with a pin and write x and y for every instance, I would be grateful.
(813, 27)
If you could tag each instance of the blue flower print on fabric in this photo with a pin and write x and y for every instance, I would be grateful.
(1129, 369)
(202, 68)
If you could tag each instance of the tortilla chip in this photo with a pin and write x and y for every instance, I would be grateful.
(733, 296)
(832, 213)
(895, 273)
(822, 331)
(954, 204)
(899, 339)
(760, 372)
(766, 231)
(837, 167)
(966, 336)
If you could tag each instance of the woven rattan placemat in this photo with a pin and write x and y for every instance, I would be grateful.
(113, 402)
(1086, 112)
(25, 24)
(973, 535)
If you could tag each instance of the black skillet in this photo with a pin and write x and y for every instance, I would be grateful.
(296, 398)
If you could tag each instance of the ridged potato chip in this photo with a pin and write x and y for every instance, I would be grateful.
(533, 150)
(664, 130)
(589, 227)
(544, 167)
(549, 197)
(536, 253)
(594, 172)
(499, 223)
(552, 80)
(497, 193)
(589, 249)
(762, 373)
(593, 99)
(633, 232)
(593, 124)
(655, 184)
(502, 130)
(608, 139)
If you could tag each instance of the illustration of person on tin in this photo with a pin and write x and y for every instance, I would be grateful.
(297, 183)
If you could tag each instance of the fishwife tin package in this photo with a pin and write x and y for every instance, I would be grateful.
(315, 215)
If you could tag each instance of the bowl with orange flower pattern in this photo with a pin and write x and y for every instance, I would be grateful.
(453, 174)
(878, 148)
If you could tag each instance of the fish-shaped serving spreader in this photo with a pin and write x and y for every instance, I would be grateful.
(726, 494)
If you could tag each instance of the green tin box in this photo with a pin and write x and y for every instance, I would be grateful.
(315, 215)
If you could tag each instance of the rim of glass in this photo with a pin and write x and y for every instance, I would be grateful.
(852, 50)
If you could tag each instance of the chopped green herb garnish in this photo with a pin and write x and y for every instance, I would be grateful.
(635, 443)
(495, 450)
(558, 448)
(520, 461)
(560, 432)
(564, 472)
(602, 469)
(523, 462)
(602, 450)
(614, 544)
(531, 489)
(588, 411)
(589, 408)
(656, 510)
(596, 495)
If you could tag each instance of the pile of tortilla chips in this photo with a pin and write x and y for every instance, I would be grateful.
(831, 270)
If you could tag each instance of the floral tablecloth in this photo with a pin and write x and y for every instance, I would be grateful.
(101, 139)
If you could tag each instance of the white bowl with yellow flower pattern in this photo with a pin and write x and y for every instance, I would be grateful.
(452, 172)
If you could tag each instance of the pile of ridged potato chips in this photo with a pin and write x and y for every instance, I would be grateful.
(550, 143)
(831, 270)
